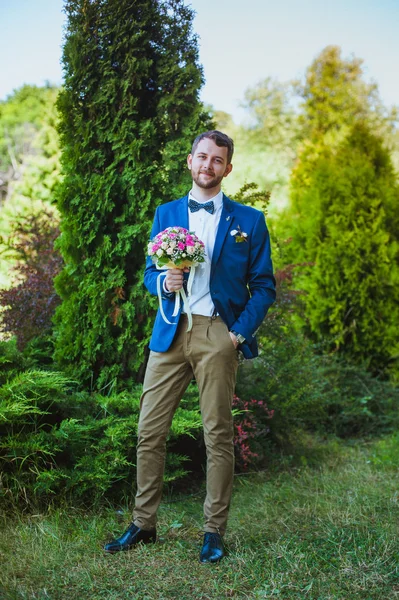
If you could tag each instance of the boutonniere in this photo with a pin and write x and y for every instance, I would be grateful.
(240, 236)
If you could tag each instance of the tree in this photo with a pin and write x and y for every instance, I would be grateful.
(335, 95)
(22, 116)
(129, 111)
(344, 222)
(274, 120)
(29, 161)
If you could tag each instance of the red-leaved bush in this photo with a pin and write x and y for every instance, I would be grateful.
(29, 304)
(250, 430)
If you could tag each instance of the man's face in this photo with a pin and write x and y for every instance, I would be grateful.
(208, 164)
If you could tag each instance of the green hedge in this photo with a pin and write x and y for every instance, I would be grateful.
(58, 442)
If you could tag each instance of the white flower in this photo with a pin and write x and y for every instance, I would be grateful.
(169, 251)
(184, 255)
(159, 252)
(244, 234)
(164, 245)
(172, 244)
(190, 250)
(234, 232)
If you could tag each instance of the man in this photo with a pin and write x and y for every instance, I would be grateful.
(231, 294)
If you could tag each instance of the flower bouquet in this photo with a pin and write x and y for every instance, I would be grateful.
(177, 248)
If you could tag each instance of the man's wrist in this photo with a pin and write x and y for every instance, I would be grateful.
(240, 338)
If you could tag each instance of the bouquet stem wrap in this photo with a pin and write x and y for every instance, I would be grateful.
(177, 248)
(180, 293)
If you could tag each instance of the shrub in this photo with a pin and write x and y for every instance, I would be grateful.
(309, 389)
(58, 443)
(344, 222)
(358, 404)
(29, 305)
(251, 426)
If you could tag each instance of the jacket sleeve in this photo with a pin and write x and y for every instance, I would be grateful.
(260, 280)
(151, 272)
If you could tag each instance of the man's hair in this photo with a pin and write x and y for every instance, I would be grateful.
(220, 139)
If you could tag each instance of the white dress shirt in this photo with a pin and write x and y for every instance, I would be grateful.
(205, 227)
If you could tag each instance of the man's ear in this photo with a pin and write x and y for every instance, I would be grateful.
(189, 161)
(228, 170)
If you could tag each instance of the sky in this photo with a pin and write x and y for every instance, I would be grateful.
(240, 42)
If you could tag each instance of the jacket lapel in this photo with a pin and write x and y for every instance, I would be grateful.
(182, 213)
(225, 223)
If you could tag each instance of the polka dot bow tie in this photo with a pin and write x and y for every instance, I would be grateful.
(196, 206)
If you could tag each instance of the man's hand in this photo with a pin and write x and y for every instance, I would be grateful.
(233, 339)
(174, 279)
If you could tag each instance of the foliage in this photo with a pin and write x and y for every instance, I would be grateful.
(332, 96)
(358, 404)
(274, 120)
(58, 443)
(385, 452)
(29, 305)
(21, 119)
(335, 95)
(288, 376)
(344, 225)
(250, 429)
(129, 111)
(251, 195)
(12, 360)
(310, 390)
(29, 160)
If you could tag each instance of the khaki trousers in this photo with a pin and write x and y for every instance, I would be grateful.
(207, 353)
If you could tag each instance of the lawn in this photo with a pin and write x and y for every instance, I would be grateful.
(326, 532)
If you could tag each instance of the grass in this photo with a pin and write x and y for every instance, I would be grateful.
(300, 533)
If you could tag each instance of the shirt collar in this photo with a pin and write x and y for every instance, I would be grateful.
(217, 200)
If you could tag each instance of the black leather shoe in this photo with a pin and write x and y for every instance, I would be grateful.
(132, 536)
(212, 549)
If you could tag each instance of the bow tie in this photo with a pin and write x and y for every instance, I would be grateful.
(196, 206)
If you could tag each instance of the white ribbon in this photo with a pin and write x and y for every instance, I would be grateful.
(179, 293)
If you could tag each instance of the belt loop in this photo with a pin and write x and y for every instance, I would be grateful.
(214, 314)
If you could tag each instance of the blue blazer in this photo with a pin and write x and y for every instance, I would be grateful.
(242, 285)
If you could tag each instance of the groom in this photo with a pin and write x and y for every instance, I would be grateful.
(231, 294)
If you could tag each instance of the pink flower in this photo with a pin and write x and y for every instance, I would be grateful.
(180, 245)
(155, 247)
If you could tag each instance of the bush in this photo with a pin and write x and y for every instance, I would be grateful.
(314, 391)
(251, 426)
(57, 442)
(357, 403)
(287, 375)
(344, 223)
(29, 305)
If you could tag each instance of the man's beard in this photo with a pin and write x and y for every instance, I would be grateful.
(209, 183)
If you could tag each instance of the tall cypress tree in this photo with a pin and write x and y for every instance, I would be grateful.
(345, 223)
(129, 111)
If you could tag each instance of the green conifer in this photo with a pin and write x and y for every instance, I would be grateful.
(344, 222)
(129, 111)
